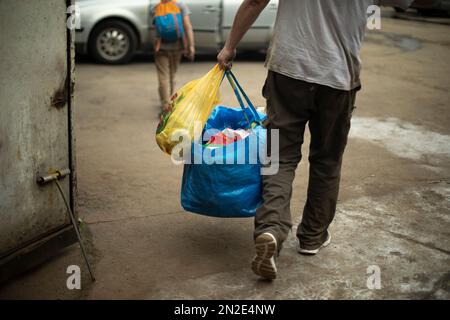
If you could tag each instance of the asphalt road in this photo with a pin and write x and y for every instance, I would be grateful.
(393, 212)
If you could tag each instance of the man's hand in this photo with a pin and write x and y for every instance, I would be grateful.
(189, 53)
(157, 45)
(225, 58)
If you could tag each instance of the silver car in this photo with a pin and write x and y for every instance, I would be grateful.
(112, 31)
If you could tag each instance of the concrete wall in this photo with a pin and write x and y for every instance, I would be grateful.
(34, 118)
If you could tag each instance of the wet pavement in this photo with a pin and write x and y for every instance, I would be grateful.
(393, 213)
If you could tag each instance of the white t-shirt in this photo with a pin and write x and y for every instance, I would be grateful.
(319, 41)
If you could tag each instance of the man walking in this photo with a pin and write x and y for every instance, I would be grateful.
(313, 77)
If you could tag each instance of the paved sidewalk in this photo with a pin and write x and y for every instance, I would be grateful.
(393, 213)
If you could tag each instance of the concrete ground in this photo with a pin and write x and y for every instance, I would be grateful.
(393, 213)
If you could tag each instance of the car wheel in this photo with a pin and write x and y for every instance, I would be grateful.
(399, 10)
(113, 42)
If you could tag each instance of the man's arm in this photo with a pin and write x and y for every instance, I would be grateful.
(246, 15)
(190, 37)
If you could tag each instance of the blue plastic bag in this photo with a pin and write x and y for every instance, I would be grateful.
(226, 190)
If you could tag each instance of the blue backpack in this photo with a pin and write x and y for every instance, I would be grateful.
(169, 21)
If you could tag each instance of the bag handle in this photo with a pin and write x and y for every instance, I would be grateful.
(250, 104)
(237, 90)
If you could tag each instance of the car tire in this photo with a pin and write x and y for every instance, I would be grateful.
(113, 42)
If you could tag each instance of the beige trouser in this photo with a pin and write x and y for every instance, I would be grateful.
(167, 62)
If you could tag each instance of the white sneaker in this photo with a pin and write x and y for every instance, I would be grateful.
(315, 251)
(264, 262)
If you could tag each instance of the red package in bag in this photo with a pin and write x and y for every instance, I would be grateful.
(221, 139)
(227, 136)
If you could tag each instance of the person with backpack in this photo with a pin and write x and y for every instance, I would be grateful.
(174, 37)
(313, 76)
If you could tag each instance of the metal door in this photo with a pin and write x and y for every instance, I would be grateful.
(36, 80)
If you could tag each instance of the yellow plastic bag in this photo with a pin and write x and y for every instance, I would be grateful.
(193, 102)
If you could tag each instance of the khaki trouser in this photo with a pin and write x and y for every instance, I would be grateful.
(291, 104)
(167, 62)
